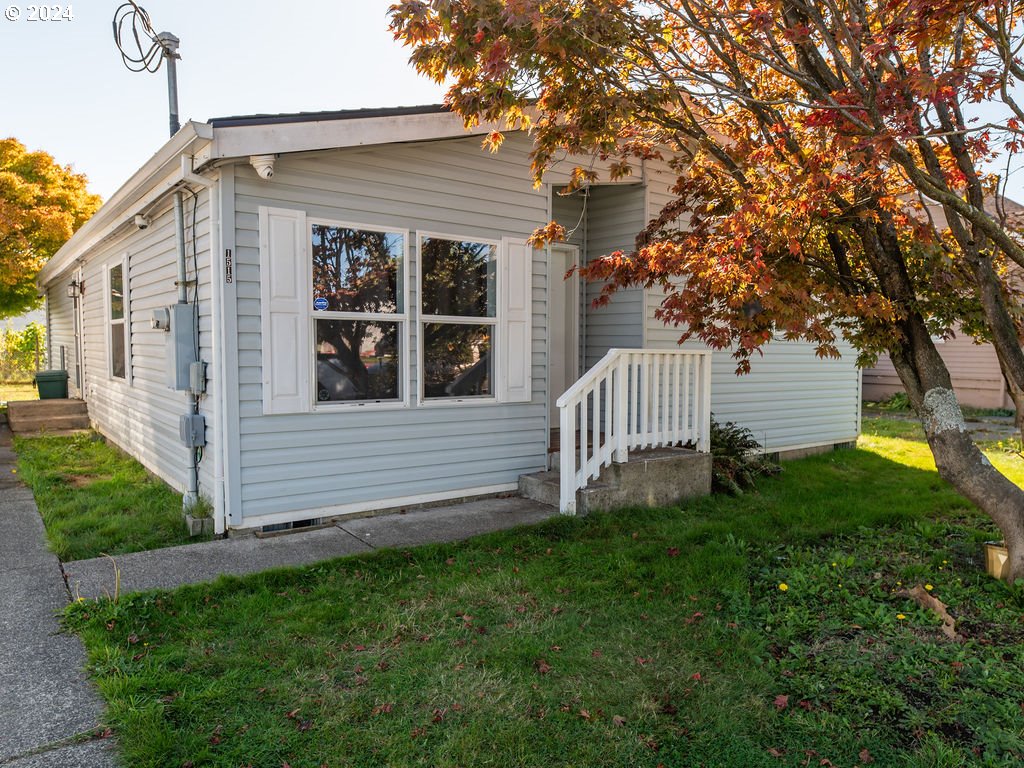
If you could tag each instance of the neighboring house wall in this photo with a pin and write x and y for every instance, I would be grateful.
(140, 412)
(368, 458)
(974, 368)
(60, 324)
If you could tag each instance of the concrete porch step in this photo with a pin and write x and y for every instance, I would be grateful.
(30, 416)
(650, 478)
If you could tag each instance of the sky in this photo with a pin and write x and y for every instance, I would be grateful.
(66, 91)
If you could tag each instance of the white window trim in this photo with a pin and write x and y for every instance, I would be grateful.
(404, 319)
(125, 322)
(448, 402)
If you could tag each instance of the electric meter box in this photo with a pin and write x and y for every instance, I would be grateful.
(181, 346)
(192, 430)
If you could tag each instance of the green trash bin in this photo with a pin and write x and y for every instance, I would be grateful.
(52, 385)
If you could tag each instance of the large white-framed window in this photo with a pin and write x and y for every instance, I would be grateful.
(359, 280)
(338, 323)
(118, 311)
(458, 317)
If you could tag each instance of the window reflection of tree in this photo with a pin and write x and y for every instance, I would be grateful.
(458, 280)
(371, 368)
(357, 271)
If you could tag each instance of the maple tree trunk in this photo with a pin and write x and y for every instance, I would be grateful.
(958, 459)
(929, 388)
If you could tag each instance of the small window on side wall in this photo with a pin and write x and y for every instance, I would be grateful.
(458, 314)
(118, 326)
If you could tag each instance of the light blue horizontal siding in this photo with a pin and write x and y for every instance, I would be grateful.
(296, 462)
(143, 418)
(790, 399)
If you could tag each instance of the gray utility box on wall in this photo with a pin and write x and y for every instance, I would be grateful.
(192, 429)
(181, 345)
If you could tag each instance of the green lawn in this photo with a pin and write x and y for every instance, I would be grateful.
(96, 499)
(768, 630)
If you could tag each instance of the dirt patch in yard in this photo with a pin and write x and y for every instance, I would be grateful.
(79, 481)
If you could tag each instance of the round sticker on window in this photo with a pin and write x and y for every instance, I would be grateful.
(320, 304)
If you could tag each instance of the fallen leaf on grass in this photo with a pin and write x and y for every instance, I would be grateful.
(382, 709)
(921, 596)
(618, 721)
(865, 757)
(781, 702)
(776, 752)
(542, 666)
(673, 551)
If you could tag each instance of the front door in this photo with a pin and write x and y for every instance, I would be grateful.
(563, 325)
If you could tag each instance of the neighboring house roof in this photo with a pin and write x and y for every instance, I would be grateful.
(198, 146)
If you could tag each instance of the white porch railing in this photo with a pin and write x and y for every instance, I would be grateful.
(633, 398)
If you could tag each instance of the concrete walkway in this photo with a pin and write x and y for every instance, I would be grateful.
(194, 563)
(49, 712)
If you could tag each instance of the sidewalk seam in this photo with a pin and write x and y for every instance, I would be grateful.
(346, 530)
(83, 737)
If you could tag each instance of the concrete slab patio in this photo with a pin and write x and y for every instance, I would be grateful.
(195, 563)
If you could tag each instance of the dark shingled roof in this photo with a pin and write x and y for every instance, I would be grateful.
(340, 114)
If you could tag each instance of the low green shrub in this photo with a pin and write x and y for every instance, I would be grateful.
(737, 459)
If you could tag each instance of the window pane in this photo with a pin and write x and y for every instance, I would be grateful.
(117, 292)
(357, 270)
(458, 278)
(357, 360)
(457, 360)
(117, 349)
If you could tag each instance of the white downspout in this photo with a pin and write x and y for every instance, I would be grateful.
(217, 361)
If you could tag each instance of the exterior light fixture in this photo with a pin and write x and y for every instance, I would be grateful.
(74, 289)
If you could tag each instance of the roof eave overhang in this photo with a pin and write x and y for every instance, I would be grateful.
(275, 137)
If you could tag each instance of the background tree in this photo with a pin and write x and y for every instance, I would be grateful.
(41, 205)
(830, 173)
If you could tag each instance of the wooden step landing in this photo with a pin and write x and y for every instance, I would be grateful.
(49, 416)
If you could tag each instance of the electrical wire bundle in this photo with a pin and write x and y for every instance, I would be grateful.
(141, 49)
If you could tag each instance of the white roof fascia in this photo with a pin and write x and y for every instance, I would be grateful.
(279, 138)
(161, 173)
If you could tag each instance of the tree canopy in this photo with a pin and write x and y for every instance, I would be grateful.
(42, 203)
(830, 159)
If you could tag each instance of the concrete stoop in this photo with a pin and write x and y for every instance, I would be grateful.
(32, 416)
(657, 477)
